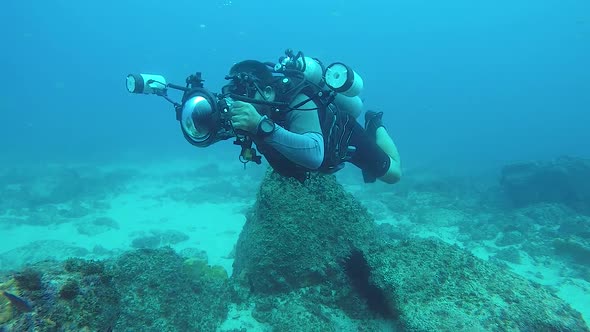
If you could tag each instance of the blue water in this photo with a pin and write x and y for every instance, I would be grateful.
(466, 86)
(461, 82)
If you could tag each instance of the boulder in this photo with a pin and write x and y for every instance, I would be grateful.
(316, 241)
(435, 286)
(565, 180)
(298, 235)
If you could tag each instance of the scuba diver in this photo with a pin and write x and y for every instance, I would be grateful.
(300, 115)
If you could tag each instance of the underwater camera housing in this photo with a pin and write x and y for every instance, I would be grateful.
(203, 116)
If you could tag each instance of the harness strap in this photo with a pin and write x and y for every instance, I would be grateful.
(336, 128)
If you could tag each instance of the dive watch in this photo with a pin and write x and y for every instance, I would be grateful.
(265, 127)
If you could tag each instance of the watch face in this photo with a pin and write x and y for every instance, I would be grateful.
(267, 126)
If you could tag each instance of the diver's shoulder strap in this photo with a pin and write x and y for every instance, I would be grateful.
(336, 125)
(291, 89)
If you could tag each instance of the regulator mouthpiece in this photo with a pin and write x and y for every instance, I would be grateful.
(146, 84)
(342, 79)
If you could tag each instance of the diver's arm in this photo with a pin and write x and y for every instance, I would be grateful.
(305, 149)
(300, 140)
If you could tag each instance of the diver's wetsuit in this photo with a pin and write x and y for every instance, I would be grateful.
(306, 149)
(301, 142)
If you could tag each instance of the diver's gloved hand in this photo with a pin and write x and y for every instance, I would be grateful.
(244, 116)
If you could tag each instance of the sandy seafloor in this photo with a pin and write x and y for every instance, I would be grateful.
(192, 205)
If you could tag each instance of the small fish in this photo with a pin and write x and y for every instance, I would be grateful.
(18, 302)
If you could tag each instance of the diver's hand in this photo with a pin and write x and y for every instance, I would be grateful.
(244, 116)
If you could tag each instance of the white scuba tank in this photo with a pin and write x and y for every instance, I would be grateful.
(312, 71)
(350, 105)
(339, 77)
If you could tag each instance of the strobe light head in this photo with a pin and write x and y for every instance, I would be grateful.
(146, 84)
(343, 79)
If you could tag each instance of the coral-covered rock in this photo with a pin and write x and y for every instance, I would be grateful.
(39, 251)
(158, 238)
(160, 292)
(574, 248)
(565, 180)
(298, 234)
(147, 290)
(433, 286)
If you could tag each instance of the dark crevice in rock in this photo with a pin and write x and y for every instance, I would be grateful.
(358, 271)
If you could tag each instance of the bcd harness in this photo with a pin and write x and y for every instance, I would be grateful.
(335, 124)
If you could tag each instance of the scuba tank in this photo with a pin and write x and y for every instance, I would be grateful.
(338, 77)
